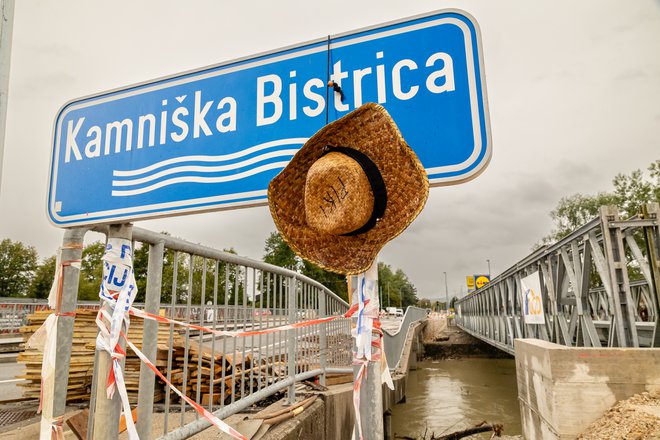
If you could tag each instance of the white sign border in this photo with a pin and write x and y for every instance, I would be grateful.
(192, 205)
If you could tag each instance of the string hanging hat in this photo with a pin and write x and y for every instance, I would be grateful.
(352, 187)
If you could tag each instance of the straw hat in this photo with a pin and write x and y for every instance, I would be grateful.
(350, 189)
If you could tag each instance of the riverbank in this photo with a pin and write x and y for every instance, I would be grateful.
(447, 341)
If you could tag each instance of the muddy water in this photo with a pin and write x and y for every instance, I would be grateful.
(444, 396)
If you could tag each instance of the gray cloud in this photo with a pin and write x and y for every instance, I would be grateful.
(572, 87)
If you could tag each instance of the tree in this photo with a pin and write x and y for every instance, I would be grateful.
(91, 271)
(629, 193)
(397, 290)
(18, 263)
(43, 278)
(279, 253)
(424, 303)
(574, 211)
(333, 281)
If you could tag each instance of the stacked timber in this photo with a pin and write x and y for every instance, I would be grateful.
(132, 368)
(212, 375)
(82, 356)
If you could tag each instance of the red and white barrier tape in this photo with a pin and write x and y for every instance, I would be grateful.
(368, 325)
(145, 315)
(118, 289)
(200, 409)
(45, 340)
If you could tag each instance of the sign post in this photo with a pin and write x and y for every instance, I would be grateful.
(213, 138)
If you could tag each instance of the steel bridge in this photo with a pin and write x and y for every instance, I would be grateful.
(600, 288)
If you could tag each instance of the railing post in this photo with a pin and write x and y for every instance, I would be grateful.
(624, 320)
(14, 319)
(651, 234)
(53, 409)
(150, 340)
(291, 342)
(323, 342)
(107, 412)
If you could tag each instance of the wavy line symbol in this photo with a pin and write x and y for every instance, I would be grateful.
(180, 169)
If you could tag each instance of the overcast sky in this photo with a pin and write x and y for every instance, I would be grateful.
(573, 91)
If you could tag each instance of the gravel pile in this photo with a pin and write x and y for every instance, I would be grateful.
(637, 418)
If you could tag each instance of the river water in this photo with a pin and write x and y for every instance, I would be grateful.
(444, 396)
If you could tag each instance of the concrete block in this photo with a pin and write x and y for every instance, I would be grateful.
(309, 424)
(563, 389)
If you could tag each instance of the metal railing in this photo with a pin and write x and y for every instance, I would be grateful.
(201, 285)
(588, 299)
(395, 342)
(14, 312)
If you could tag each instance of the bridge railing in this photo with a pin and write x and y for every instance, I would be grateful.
(14, 312)
(395, 342)
(200, 285)
(587, 295)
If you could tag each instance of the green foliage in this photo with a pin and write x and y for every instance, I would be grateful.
(629, 193)
(43, 278)
(18, 263)
(91, 271)
(424, 303)
(278, 253)
(140, 266)
(168, 282)
(333, 281)
(203, 280)
(231, 281)
(396, 289)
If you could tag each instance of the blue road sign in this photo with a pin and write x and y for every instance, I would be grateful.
(213, 138)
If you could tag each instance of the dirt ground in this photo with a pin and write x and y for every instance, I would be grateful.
(434, 329)
(636, 418)
(442, 341)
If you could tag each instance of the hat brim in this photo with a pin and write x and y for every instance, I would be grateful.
(371, 130)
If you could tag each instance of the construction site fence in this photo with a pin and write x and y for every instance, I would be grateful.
(196, 284)
(599, 288)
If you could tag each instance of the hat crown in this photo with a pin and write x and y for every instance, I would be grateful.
(338, 195)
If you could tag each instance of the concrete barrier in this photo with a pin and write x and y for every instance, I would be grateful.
(562, 390)
(333, 417)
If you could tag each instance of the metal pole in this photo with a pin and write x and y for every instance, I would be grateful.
(291, 342)
(387, 425)
(6, 25)
(371, 388)
(371, 402)
(488, 261)
(150, 340)
(652, 210)
(446, 294)
(106, 416)
(380, 291)
(323, 341)
(56, 388)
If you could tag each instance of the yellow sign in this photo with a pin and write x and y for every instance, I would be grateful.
(470, 283)
(481, 280)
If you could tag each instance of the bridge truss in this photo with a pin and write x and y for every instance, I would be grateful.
(600, 288)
